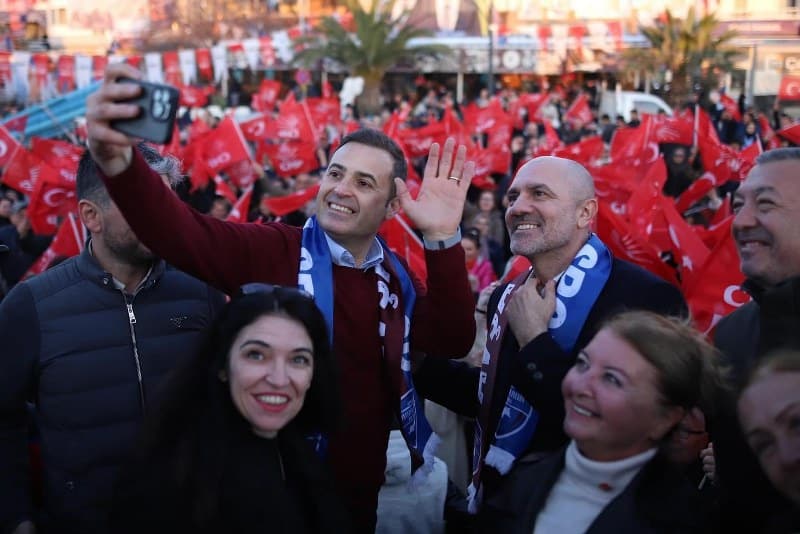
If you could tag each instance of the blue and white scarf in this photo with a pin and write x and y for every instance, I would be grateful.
(316, 277)
(576, 293)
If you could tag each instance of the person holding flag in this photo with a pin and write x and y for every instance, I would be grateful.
(539, 321)
(376, 311)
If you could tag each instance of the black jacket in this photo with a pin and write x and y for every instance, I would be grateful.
(769, 322)
(275, 485)
(538, 369)
(659, 500)
(70, 342)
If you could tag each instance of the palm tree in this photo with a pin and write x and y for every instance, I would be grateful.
(380, 42)
(684, 53)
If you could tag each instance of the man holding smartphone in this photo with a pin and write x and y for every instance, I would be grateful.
(376, 310)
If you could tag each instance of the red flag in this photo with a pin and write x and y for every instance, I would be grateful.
(52, 198)
(293, 123)
(324, 111)
(223, 189)
(268, 93)
(688, 250)
(586, 151)
(280, 206)
(255, 128)
(404, 242)
(629, 245)
(327, 90)
(551, 140)
(40, 66)
(717, 291)
(60, 155)
(242, 174)
(224, 146)
(579, 112)
(99, 67)
(68, 242)
(644, 201)
(767, 133)
(22, 171)
(791, 134)
(242, 207)
(704, 128)
(5, 66)
(66, 74)
(203, 58)
(485, 119)
(534, 102)
(193, 97)
(292, 157)
(417, 141)
(8, 145)
(172, 68)
(730, 106)
(696, 191)
(678, 129)
(544, 34)
(789, 88)
(134, 61)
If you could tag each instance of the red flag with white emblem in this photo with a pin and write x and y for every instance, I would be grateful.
(68, 242)
(716, 290)
(242, 207)
(579, 113)
(280, 206)
(789, 88)
(292, 157)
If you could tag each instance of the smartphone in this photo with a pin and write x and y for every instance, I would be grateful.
(158, 106)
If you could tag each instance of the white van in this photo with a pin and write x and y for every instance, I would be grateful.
(623, 102)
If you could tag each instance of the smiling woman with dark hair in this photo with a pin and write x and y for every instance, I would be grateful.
(230, 450)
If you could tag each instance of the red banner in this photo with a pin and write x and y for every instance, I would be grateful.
(790, 88)
(99, 67)
(172, 68)
(65, 69)
(203, 58)
(41, 67)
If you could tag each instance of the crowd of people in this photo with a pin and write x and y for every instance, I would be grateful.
(187, 373)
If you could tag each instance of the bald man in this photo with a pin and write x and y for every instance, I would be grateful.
(538, 322)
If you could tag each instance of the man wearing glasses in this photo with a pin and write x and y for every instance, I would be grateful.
(377, 312)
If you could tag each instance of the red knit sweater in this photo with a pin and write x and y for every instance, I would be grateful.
(227, 255)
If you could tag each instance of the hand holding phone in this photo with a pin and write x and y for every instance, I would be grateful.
(158, 105)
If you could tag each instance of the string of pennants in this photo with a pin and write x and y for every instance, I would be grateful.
(62, 73)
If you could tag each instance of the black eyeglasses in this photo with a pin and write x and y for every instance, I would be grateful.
(258, 288)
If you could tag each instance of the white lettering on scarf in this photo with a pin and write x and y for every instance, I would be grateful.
(571, 282)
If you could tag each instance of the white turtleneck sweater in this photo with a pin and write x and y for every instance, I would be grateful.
(583, 489)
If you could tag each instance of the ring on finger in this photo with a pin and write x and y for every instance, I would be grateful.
(456, 178)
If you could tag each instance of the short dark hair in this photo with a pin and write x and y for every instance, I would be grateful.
(791, 153)
(88, 183)
(90, 186)
(378, 139)
(474, 235)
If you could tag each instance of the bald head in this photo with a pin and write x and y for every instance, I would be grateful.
(579, 183)
(551, 205)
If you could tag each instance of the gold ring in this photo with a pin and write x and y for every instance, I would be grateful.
(456, 178)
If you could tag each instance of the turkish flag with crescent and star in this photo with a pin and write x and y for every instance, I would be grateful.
(789, 88)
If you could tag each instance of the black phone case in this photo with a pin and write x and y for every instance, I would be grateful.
(159, 106)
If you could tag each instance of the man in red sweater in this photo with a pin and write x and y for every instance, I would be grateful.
(369, 298)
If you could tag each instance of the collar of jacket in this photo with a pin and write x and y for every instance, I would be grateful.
(783, 296)
(91, 270)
